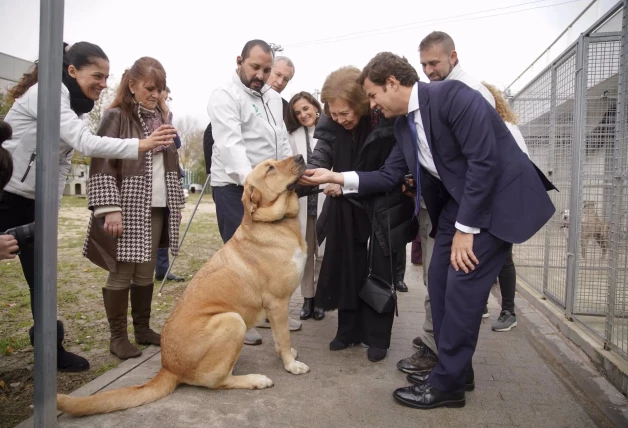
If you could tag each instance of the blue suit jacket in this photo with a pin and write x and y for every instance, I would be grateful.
(495, 184)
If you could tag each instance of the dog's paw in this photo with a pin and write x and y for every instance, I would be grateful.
(294, 353)
(297, 367)
(259, 381)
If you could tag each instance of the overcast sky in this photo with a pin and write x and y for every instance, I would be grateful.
(198, 42)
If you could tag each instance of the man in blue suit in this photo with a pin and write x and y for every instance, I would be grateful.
(482, 194)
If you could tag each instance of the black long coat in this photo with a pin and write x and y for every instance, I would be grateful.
(345, 221)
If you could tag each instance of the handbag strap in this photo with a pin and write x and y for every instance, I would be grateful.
(390, 249)
(370, 255)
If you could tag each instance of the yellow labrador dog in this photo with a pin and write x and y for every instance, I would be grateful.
(252, 276)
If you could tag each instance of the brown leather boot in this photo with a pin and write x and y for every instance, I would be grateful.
(117, 305)
(141, 298)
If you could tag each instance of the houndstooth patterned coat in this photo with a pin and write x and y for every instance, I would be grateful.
(128, 184)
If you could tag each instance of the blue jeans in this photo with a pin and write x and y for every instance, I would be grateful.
(162, 262)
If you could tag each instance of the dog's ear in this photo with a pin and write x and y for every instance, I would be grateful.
(251, 198)
(255, 197)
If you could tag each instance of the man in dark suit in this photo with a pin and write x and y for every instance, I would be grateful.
(482, 194)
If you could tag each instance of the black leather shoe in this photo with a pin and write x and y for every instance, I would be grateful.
(171, 277)
(420, 379)
(308, 308)
(319, 313)
(401, 286)
(424, 360)
(176, 278)
(428, 397)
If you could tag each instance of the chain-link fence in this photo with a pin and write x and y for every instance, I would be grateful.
(573, 116)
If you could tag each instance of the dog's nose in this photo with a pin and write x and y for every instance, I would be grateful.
(299, 159)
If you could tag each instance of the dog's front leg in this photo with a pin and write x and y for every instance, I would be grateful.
(278, 317)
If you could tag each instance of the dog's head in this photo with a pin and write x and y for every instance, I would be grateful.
(565, 219)
(269, 190)
(589, 205)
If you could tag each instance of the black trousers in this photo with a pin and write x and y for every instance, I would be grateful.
(364, 324)
(400, 266)
(229, 209)
(508, 283)
(15, 211)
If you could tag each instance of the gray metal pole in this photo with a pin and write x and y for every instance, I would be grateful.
(46, 210)
(553, 43)
(550, 172)
(619, 184)
(184, 233)
(575, 207)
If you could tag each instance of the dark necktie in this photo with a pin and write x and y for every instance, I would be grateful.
(415, 141)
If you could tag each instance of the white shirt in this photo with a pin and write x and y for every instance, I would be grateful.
(459, 74)
(352, 180)
(248, 128)
(516, 133)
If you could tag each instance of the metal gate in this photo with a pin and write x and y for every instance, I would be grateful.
(573, 116)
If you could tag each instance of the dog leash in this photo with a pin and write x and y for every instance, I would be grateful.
(311, 192)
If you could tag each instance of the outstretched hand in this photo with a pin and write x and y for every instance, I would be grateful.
(314, 177)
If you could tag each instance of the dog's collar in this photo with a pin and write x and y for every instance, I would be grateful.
(280, 220)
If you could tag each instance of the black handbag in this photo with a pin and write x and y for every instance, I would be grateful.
(376, 292)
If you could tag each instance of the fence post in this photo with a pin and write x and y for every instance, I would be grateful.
(618, 184)
(578, 142)
(46, 210)
(550, 170)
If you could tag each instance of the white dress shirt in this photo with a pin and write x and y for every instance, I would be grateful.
(516, 133)
(459, 74)
(352, 180)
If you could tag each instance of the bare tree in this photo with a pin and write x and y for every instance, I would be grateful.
(5, 104)
(106, 98)
(191, 134)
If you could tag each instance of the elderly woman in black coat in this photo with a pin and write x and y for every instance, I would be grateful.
(351, 137)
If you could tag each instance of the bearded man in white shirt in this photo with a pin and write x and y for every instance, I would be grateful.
(246, 116)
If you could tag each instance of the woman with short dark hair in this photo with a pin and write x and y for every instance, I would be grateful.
(303, 113)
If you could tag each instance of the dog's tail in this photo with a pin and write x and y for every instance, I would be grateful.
(163, 384)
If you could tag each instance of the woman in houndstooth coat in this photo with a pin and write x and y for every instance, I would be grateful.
(136, 206)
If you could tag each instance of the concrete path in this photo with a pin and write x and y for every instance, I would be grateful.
(516, 384)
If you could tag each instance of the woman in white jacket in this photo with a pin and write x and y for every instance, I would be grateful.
(508, 275)
(85, 73)
(302, 119)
